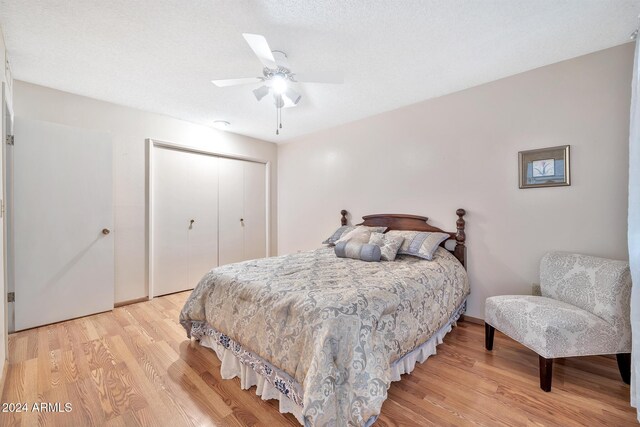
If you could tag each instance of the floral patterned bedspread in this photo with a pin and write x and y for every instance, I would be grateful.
(333, 324)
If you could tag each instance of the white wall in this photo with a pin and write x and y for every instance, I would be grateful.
(461, 150)
(130, 128)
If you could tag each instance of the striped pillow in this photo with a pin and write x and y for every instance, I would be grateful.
(357, 250)
(331, 241)
(421, 244)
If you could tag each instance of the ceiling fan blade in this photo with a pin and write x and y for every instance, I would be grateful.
(236, 82)
(261, 92)
(291, 98)
(261, 48)
(326, 78)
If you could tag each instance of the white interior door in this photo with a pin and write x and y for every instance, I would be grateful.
(203, 207)
(5, 125)
(255, 215)
(231, 202)
(63, 183)
(185, 219)
(171, 218)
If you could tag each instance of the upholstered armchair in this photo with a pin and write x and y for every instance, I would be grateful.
(584, 310)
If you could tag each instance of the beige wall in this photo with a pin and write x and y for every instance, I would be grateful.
(130, 128)
(461, 150)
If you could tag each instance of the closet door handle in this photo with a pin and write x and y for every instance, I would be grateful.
(242, 221)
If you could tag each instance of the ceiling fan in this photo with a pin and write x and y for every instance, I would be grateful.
(276, 76)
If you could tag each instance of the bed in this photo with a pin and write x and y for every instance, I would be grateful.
(324, 335)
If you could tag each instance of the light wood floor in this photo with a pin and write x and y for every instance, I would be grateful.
(134, 366)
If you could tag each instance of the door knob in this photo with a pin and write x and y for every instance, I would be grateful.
(242, 220)
(106, 231)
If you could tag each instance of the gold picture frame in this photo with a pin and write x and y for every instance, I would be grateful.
(545, 167)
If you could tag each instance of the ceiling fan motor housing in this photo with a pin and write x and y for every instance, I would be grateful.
(285, 73)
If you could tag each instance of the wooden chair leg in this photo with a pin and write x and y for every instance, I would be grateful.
(624, 365)
(546, 368)
(488, 336)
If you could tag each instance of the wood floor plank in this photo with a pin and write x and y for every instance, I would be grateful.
(97, 355)
(136, 377)
(30, 390)
(18, 349)
(43, 358)
(56, 395)
(100, 383)
(56, 374)
(84, 399)
(147, 417)
(189, 381)
(89, 328)
(64, 335)
(13, 393)
(134, 366)
(157, 379)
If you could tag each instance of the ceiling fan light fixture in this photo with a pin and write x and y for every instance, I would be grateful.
(221, 124)
(279, 84)
(261, 92)
(292, 96)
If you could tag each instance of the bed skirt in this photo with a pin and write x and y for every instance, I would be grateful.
(273, 383)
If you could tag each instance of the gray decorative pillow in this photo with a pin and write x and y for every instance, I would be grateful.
(337, 234)
(358, 234)
(347, 228)
(355, 250)
(389, 245)
(421, 244)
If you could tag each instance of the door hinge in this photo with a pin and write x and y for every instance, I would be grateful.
(10, 139)
(11, 297)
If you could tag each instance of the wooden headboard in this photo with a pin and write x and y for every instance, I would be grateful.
(418, 223)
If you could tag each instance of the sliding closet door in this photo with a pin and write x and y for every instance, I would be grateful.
(205, 211)
(242, 205)
(171, 221)
(185, 219)
(231, 208)
(203, 207)
(255, 215)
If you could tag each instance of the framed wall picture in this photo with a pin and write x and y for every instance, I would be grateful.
(544, 167)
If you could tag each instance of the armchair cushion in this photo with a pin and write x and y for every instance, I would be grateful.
(598, 285)
(553, 328)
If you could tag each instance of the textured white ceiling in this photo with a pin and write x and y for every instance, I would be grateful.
(160, 55)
